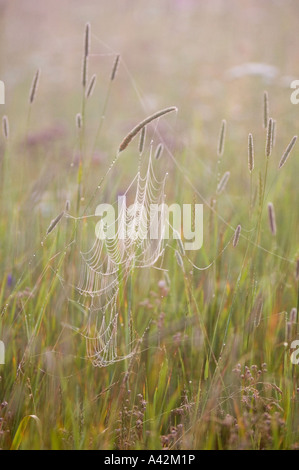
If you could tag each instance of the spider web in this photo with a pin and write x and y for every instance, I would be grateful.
(111, 260)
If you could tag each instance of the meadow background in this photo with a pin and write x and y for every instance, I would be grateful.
(212, 369)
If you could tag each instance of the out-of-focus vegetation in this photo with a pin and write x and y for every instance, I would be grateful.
(212, 369)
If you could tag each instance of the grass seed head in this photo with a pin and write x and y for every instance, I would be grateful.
(34, 86)
(237, 236)
(91, 86)
(5, 127)
(78, 121)
(272, 219)
(87, 40)
(115, 67)
(250, 153)
(287, 152)
(54, 222)
(142, 140)
(268, 149)
(159, 151)
(223, 182)
(130, 136)
(221, 140)
(293, 315)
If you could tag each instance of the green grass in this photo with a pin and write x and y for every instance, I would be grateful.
(211, 368)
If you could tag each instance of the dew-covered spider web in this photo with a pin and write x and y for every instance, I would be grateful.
(110, 260)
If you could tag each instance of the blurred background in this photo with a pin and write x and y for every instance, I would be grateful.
(190, 53)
